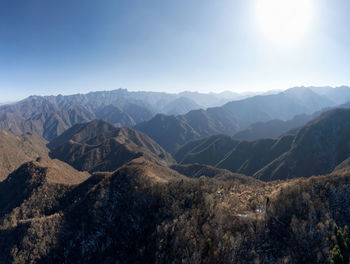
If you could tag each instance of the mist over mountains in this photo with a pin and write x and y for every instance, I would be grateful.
(143, 177)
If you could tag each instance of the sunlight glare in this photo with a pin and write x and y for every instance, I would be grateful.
(284, 21)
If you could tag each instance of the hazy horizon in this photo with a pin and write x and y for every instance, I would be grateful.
(50, 48)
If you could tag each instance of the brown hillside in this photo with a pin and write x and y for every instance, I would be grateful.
(15, 150)
(99, 146)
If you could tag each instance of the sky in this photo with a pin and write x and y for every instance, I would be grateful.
(76, 46)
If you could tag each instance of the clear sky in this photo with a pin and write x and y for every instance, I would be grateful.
(71, 46)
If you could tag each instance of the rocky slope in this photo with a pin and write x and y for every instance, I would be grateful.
(145, 212)
(316, 148)
(15, 150)
(221, 151)
(100, 146)
(238, 115)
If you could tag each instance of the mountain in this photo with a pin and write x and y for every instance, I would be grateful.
(49, 116)
(222, 151)
(317, 148)
(180, 106)
(100, 146)
(272, 129)
(147, 213)
(15, 150)
(168, 131)
(39, 115)
(339, 95)
(239, 115)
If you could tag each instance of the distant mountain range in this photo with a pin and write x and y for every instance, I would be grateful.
(316, 148)
(50, 116)
(251, 118)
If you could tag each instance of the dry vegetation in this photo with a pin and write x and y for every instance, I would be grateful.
(147, 213)
(15, 150)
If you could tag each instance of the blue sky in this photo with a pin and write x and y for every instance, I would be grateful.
(66, 46)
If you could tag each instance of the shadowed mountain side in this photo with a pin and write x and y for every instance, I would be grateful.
(31, 202)
(15, 150)
(168, 131)
(99, 146)
(235, 116)
(144, 212)
(244, 157)
(35, 179)
(272, 129)
(209, 150)
(318, 148)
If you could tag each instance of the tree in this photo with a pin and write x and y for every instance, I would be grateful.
(341, 251)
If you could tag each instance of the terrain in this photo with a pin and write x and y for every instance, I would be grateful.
(50, 116)
(251, 118)
(100, 192)
(316, 148)
(195, 114)
(144, 212)
(100, 146)
(15, 150)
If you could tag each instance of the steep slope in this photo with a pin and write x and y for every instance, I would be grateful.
(168, 131)
(210, 150)
(239, 115)
(180, 106)
(31, 202)
(100, 146)
(246, 157)
(148, 213)
(15, 150)
(39, 115)
(318, 148)
(49, 116)
(339, 95)
(272, 129)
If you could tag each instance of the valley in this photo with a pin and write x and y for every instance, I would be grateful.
(77, 189)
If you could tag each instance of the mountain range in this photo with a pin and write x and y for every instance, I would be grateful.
(316, 148)
(100, 146)
(147, 212)
(49, 116)
(79, 186)
(256, 114)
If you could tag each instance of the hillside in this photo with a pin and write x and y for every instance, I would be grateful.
(144, 212)
(238, 115)
(100, 146)
(168, 131)
(272, 129)
(221, 151)
(15, 150)
(50, 116)
(317, 148)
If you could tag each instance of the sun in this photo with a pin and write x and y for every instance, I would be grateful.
(284, 21)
